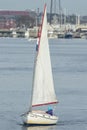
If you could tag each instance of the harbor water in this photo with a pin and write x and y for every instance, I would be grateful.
(69, 64)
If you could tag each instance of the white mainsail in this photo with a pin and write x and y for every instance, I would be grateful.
(43, 87)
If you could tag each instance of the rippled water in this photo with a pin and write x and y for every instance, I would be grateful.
(69, 62)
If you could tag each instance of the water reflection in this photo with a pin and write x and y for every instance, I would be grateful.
(39, 127)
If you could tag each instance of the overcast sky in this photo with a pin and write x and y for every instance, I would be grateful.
(71, 6)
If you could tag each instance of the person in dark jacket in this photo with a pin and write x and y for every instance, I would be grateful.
(49, 111)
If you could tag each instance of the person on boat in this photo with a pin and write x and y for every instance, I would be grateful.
(49, 111)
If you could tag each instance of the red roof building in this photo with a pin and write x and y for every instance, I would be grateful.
(9, 19)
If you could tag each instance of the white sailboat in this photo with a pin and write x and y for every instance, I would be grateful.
(43, 92)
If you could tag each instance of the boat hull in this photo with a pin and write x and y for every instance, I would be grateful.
(33, 118)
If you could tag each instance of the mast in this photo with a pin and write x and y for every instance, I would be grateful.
(30, 106)
(60, 13)
(51, 5)
(35, 61)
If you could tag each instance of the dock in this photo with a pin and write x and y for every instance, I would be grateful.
(53, 32)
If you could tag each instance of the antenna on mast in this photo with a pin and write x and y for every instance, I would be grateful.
(51, 6)
(60, 13)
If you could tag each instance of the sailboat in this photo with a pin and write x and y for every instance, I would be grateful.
(43, 92)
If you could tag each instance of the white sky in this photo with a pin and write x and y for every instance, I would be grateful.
(71, 6)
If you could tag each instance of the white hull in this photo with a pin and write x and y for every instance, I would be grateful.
(39, 118)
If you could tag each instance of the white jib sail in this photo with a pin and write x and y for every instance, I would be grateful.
(43, 87)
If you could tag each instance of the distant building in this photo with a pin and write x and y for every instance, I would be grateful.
(13, 19)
